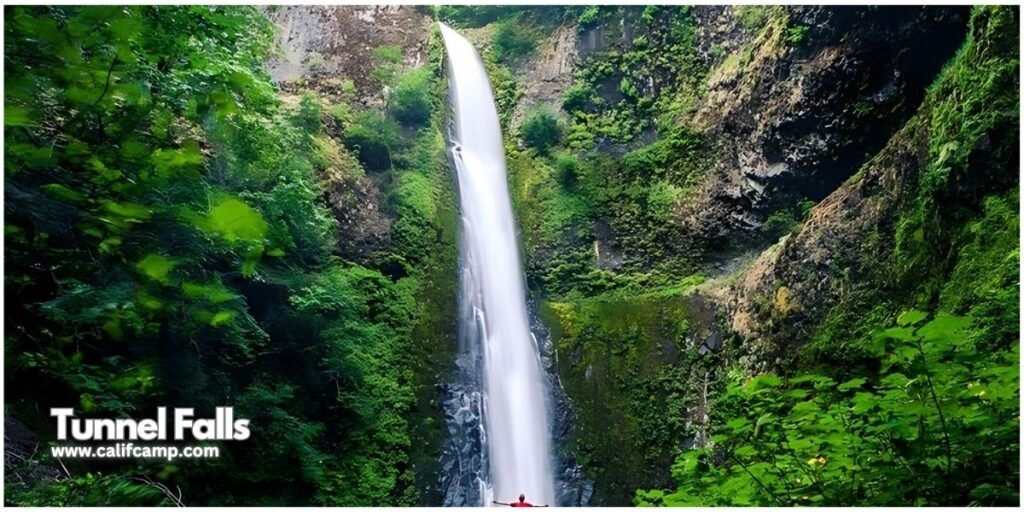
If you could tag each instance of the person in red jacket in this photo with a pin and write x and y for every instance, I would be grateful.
(521, 503)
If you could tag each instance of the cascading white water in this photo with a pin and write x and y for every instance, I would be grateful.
(494, 316)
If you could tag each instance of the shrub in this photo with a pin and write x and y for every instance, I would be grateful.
(566, 169)
(647, 161)
(374, 138)
(347, 89)
(309, 116)
(341, 113)
(589, 16)
(387, 54)
(541, 131)
(578, 97)
(805, 205)
(779, 223)
(411, 103)
(627, 88)
(795, 35)
(751, 17)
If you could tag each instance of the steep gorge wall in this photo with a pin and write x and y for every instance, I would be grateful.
(867, 240)
(798, 107)
(809, 114)
(792, 103)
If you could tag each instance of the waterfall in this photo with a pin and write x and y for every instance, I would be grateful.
(499, 356)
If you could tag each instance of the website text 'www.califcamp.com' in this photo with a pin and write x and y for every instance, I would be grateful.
(130, 450)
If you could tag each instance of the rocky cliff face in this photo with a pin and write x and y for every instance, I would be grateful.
(859, 239)
(328, 51)
(814, 105)
(547, 73)
(323, 47)
(820, 114)
(795, 109)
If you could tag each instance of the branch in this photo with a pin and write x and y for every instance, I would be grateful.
(942, 419)
(759, 482)
(163, 489)
(65, 468)
(106, 86)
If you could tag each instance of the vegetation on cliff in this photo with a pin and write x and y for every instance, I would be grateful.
(168, 243)
(180, 232)
(921, 407)
(642, 358)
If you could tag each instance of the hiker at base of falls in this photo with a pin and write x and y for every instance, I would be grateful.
(521, 503)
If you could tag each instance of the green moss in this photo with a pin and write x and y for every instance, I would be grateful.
(973, 102)
(627, 365)
(752, 17)
(514, 38)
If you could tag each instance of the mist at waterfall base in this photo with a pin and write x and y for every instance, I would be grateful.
(500, 404)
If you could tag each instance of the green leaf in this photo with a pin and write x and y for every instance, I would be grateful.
(63, 193)
(765, 418)
(215, 293)
(17, 116)
(87, 402)
(863, 402)
(765, 381)
(156, 267)
(133, 212)
(168, 162)
(852, 384)
(911, 317)
(739, 425)
(235, 221)
(221, 318)
(945, 327)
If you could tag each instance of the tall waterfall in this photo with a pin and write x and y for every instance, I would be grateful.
(497, 344)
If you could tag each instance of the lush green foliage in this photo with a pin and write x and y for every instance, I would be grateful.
(168, 243)
(566, 199)
(936, 424)
(541, 131)
(977, 99)
(618, 91)
(89, 490)
(917, 408)
(413, 97)
(631, 376)
(514, 40)
(375, 138)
